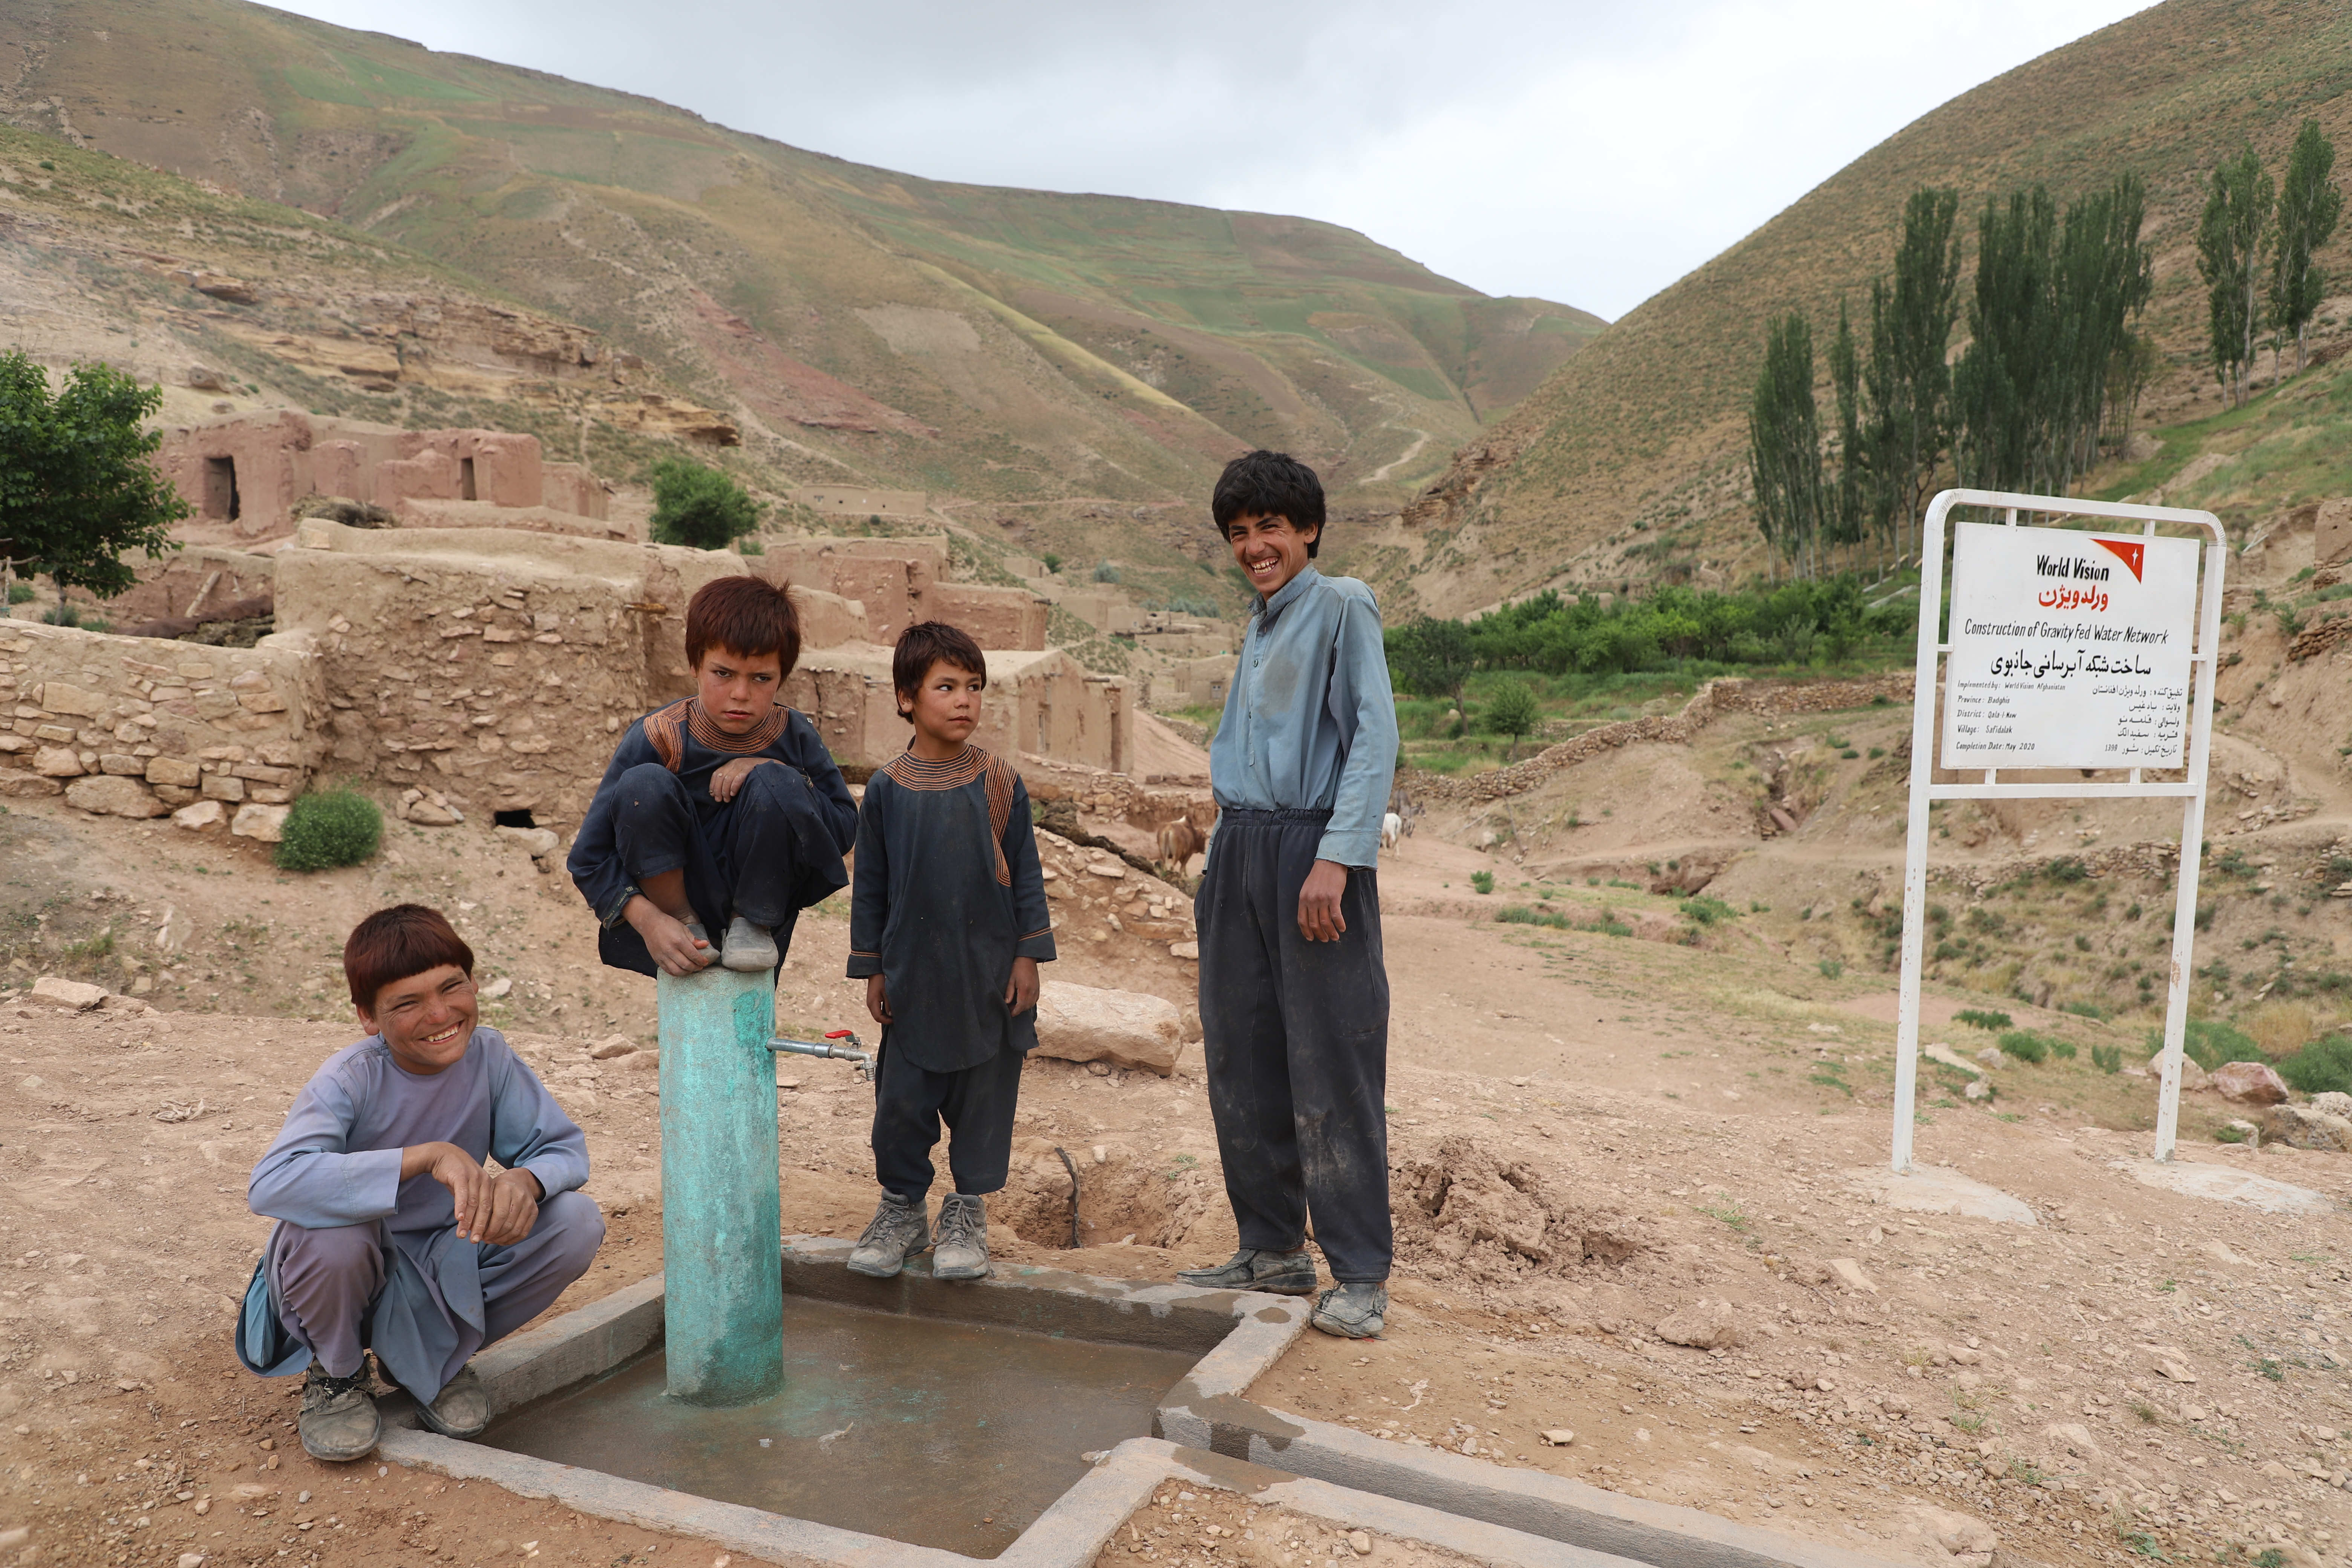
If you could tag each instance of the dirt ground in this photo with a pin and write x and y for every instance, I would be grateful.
(1595, 1138)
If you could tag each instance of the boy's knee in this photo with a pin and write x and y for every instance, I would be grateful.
(328, 1250)
(766, 786)
(576, 1226)
(646, 784)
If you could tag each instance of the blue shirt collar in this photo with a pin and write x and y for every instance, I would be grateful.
(1270, 610)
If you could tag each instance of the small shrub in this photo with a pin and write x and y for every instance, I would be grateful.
(2066, 871)
(2320, 1066)
(2209, 1042)
(2281, 1029)
(2088, 1010)
(1105, 572)
(2228, 1133)
(1706, 911)
(751, 544)
(61, 614)
(1979, 1019)
(2107, 1059)
(1483, 881)
(337, 827)
(699, 506)
(1053, 562)
(2025, 1046)
(1877, 752)
(20, 593)
(1850, 754)
(1832, 968)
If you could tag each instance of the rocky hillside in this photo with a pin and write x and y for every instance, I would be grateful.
(1014, 348)
(1632, 457)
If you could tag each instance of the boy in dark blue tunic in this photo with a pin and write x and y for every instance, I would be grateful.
(948, 923)
(721, 811)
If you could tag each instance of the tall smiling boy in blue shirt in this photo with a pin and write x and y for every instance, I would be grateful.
(1294, 990)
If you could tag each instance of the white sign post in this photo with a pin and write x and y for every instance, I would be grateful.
(2073, 650)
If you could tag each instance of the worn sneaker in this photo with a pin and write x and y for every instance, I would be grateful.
(338, 1420)
(897, 1231)
(1353, 1311)
(461, 1409)
(1256, 1269)
(962, 1252)
(749, 948)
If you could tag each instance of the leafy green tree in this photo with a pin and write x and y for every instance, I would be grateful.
(699, 506)
(1432, 659)
(1784, 445)
(79, 485)
(2239, 201)
(1908, 373)
(1512, 710)
(2049, 323)
(2308, 206)
(1856, 501)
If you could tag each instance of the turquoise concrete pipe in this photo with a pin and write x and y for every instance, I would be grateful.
(722, 1235)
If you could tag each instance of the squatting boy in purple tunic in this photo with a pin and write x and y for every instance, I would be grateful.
(390, 1234)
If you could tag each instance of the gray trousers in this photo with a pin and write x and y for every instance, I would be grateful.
(327, 1283)
(1295, 1039)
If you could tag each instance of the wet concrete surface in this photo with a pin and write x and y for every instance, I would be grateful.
(921, 1429)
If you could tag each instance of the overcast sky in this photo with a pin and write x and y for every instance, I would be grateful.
(1586, 150)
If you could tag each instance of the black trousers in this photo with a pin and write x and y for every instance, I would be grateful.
(746, 846)
(1296, 1044)
(976, 1104)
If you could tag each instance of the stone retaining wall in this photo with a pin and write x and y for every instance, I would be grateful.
(1771, 700)
(137, 726)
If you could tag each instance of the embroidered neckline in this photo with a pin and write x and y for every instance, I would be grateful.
(953, 772)
(758, 738)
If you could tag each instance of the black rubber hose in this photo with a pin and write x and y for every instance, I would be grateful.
(1077, 1240)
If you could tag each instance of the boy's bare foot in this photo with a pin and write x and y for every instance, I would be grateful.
(962, 1252)
(749, 949)
(898, 1230)
(1257, 1269)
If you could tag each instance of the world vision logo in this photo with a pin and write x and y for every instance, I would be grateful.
(2130, 551)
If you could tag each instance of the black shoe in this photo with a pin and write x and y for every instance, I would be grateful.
(339, 1421)
(461, 1409)
(1354, 1311)
(897, 1231)
(1255, 1269)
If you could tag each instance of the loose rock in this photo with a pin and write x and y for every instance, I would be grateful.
(2307, 1128)
(262, 824)
(205, 813)
(1703, 1327)
(1125, 1029)
(2249, 1083)
(113, 794)
(68, 995)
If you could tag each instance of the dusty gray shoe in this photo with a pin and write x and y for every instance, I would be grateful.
(896, 1232)
(1355, 1311)
(461, 1409)
(749, 949)
(338, 1420)
(963, 1248)
(1255, 1269)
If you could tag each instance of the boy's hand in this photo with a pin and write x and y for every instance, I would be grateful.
(469, 1183)
(1320, 918)
(878, 999)
(674, 949)
(1021, 991)
(730, 776)
(513, 1208)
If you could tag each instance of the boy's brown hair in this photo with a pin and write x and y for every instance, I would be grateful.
(746, 615)
(925, 644)
(391, 944)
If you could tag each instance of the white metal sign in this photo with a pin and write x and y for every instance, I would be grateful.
(2068, 650)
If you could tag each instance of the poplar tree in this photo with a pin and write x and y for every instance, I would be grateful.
(2308, 205)
(2238, 208)
(1853, 499)
(1907, 377)
(1784, 451)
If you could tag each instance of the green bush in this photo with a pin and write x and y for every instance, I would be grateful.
(1706, 910)
(699, 507)
(62, 615)
(2107, 1059)
(2025, 1046)
(1105, 572)
(2209, 1042)
(1053, 562)
(337, 827)
(20, 593)
(1482, 880)
(1978, 1019)
(2320, 1066)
